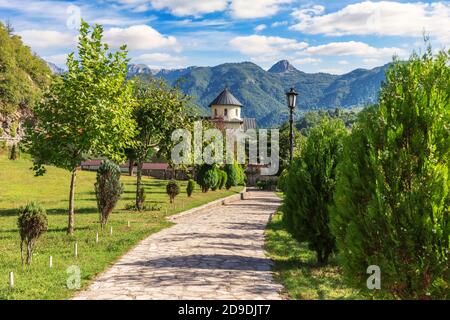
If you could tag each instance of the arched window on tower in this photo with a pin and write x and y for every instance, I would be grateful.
(215, 112)
(226, 113)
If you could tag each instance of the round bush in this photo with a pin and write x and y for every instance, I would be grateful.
(208, 177)
(223, 179)
(190, 187)
(173, 189)
(32, 223)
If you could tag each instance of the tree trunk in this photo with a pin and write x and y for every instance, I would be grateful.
(138, 185)
(70, 227)
(131, 167)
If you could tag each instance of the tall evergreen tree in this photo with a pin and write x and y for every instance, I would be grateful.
(392, 197)
(310, 187)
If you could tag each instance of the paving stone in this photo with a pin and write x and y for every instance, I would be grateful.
(217, 253)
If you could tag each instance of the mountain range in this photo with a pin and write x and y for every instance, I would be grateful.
(263, 92)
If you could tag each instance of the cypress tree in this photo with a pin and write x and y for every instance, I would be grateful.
(392, 197)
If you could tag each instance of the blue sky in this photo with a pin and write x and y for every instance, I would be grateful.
(326, 36)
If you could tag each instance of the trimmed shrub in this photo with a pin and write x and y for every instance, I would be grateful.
(223, 179)
(208, 177)
(392, 197)
(172, 189)
(190, 188)
(242, 178)
(140, 199)
(108, 189)
(32, 223)
(234, 175)
(311, 184)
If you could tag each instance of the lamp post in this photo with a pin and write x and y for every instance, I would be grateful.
(292, 102)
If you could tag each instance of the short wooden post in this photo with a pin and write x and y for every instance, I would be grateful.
(11, 280)
(76, 250)
(111, 231)
(50, 262)
(129, 224)
(96, 238)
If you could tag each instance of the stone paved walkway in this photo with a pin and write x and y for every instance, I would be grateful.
(212, 254)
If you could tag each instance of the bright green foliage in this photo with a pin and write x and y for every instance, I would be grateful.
(87, 112)
(23, 75)
(236, 175)
(223, 179)
(242, 179)
(392, 197)
(311, 183)
(208, 177)
(172, 189)
(108, 189)
(190, 187)
(32, 222)
(282, 180)
(160, 111)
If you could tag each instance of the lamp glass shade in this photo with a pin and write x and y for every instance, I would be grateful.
(292, 98)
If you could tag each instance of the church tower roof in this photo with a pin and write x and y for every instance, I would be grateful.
(226, 98)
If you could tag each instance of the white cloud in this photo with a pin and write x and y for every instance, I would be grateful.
(58, 59)
(344, 62)
(260, 27)
(191, 7)
(266, 50)
(387, 18)
(246, 9)
(160, 60)
(313, 61)
(279, 24)
(139, 37)
(47, 39)
(354, 48)
(255, 44)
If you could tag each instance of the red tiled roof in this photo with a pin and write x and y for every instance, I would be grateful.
(91, 163)
(146, 166)
(155, 166)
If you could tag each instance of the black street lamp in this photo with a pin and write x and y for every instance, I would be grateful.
(292, 102)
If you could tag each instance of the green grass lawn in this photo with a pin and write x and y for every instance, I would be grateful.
(19, 186)
(296, 269)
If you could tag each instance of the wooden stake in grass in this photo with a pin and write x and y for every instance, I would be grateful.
(111, 231)
(50, 263)
(76, 250)
(96, 238)
(11, 280)
(129, 224)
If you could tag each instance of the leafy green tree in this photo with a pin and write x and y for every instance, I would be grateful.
(311, 183)
(86, 113)
(160, 110)
(108, 189)
(392, 196)
(285, 145)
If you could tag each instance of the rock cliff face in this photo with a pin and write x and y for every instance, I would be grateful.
(12, 128)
